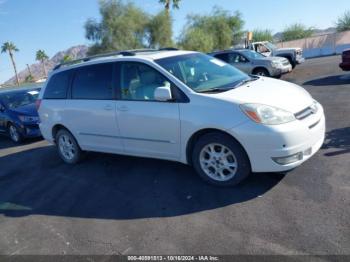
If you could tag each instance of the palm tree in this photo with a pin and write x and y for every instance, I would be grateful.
(343, 23)
(167, 3)
(28, 67)
(29, 77)
(41, 56)
(10, 48)
(66, 58)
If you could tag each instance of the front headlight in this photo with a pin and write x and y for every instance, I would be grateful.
(314, 107)
(267, 115)
(275, 64)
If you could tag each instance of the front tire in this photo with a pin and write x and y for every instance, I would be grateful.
(261, 72)
(67, 147)
(220, 160)
(14, 134)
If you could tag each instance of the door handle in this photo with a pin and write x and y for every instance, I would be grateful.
(123, 108)
(108, 107)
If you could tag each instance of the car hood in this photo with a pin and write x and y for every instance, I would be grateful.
(272, 92)
(291, 49)
(28, 110)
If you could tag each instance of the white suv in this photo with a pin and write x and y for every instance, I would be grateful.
(182, 106)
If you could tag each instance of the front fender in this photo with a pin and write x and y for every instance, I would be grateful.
(289, 56)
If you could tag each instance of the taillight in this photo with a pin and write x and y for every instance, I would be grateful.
(37, 104)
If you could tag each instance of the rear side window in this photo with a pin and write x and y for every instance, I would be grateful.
(93, 82)
(57, 86)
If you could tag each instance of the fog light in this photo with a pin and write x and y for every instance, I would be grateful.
(29, 131)
(308, 152)
(288, 159)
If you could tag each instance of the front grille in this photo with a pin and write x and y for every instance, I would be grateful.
(32, 126)
(304, 113)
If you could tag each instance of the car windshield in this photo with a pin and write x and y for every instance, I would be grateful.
(17, 99)
(203, 73)
(252, 54)
(271, 46)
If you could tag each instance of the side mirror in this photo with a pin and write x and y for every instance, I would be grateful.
(163, 94)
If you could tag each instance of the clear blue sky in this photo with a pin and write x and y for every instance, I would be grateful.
(55, 25)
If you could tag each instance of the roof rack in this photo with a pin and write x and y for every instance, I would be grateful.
(123, 53)
(168, 49)
(88, 58)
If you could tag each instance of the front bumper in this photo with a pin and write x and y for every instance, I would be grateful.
(30, 130)
(300, 59)
(286, 69)
(264, 143)
(281, 70)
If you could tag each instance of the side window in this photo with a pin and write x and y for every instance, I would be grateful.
(223, 57)
(93, 82)
(57, 86)
(233, 58)
(262, 49)
(139, 81)
(242, 59)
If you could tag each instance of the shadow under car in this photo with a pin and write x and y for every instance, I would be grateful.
(104, 186)
(330, 80)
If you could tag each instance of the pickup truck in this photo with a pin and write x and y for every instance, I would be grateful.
(294, 55)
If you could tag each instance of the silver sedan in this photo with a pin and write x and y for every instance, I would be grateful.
(254, 63)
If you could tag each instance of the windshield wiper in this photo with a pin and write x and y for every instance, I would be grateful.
(245, 81)
(214, 90)
(217, 89)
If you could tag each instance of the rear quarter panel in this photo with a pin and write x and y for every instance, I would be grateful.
(50, 113)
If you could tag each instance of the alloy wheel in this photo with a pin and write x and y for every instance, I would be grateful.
(14, 133)
(218, 162)
(66, 147)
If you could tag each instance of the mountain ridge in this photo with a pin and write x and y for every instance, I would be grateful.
(75, 52)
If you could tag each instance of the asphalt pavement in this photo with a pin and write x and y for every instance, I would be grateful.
(111, 204)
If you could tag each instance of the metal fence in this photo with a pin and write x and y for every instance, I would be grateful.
(323, 45)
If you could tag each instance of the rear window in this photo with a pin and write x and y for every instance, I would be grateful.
(57, 86)
(93, 82)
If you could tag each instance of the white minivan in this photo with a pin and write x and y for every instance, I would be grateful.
(181, 106)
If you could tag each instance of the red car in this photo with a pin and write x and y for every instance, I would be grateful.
(345, 64)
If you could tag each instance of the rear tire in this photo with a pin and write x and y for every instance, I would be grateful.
(261, 72)
(67, 147)
(220, 160)
(14, 134)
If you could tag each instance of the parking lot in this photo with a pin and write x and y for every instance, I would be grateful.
(111, 204)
